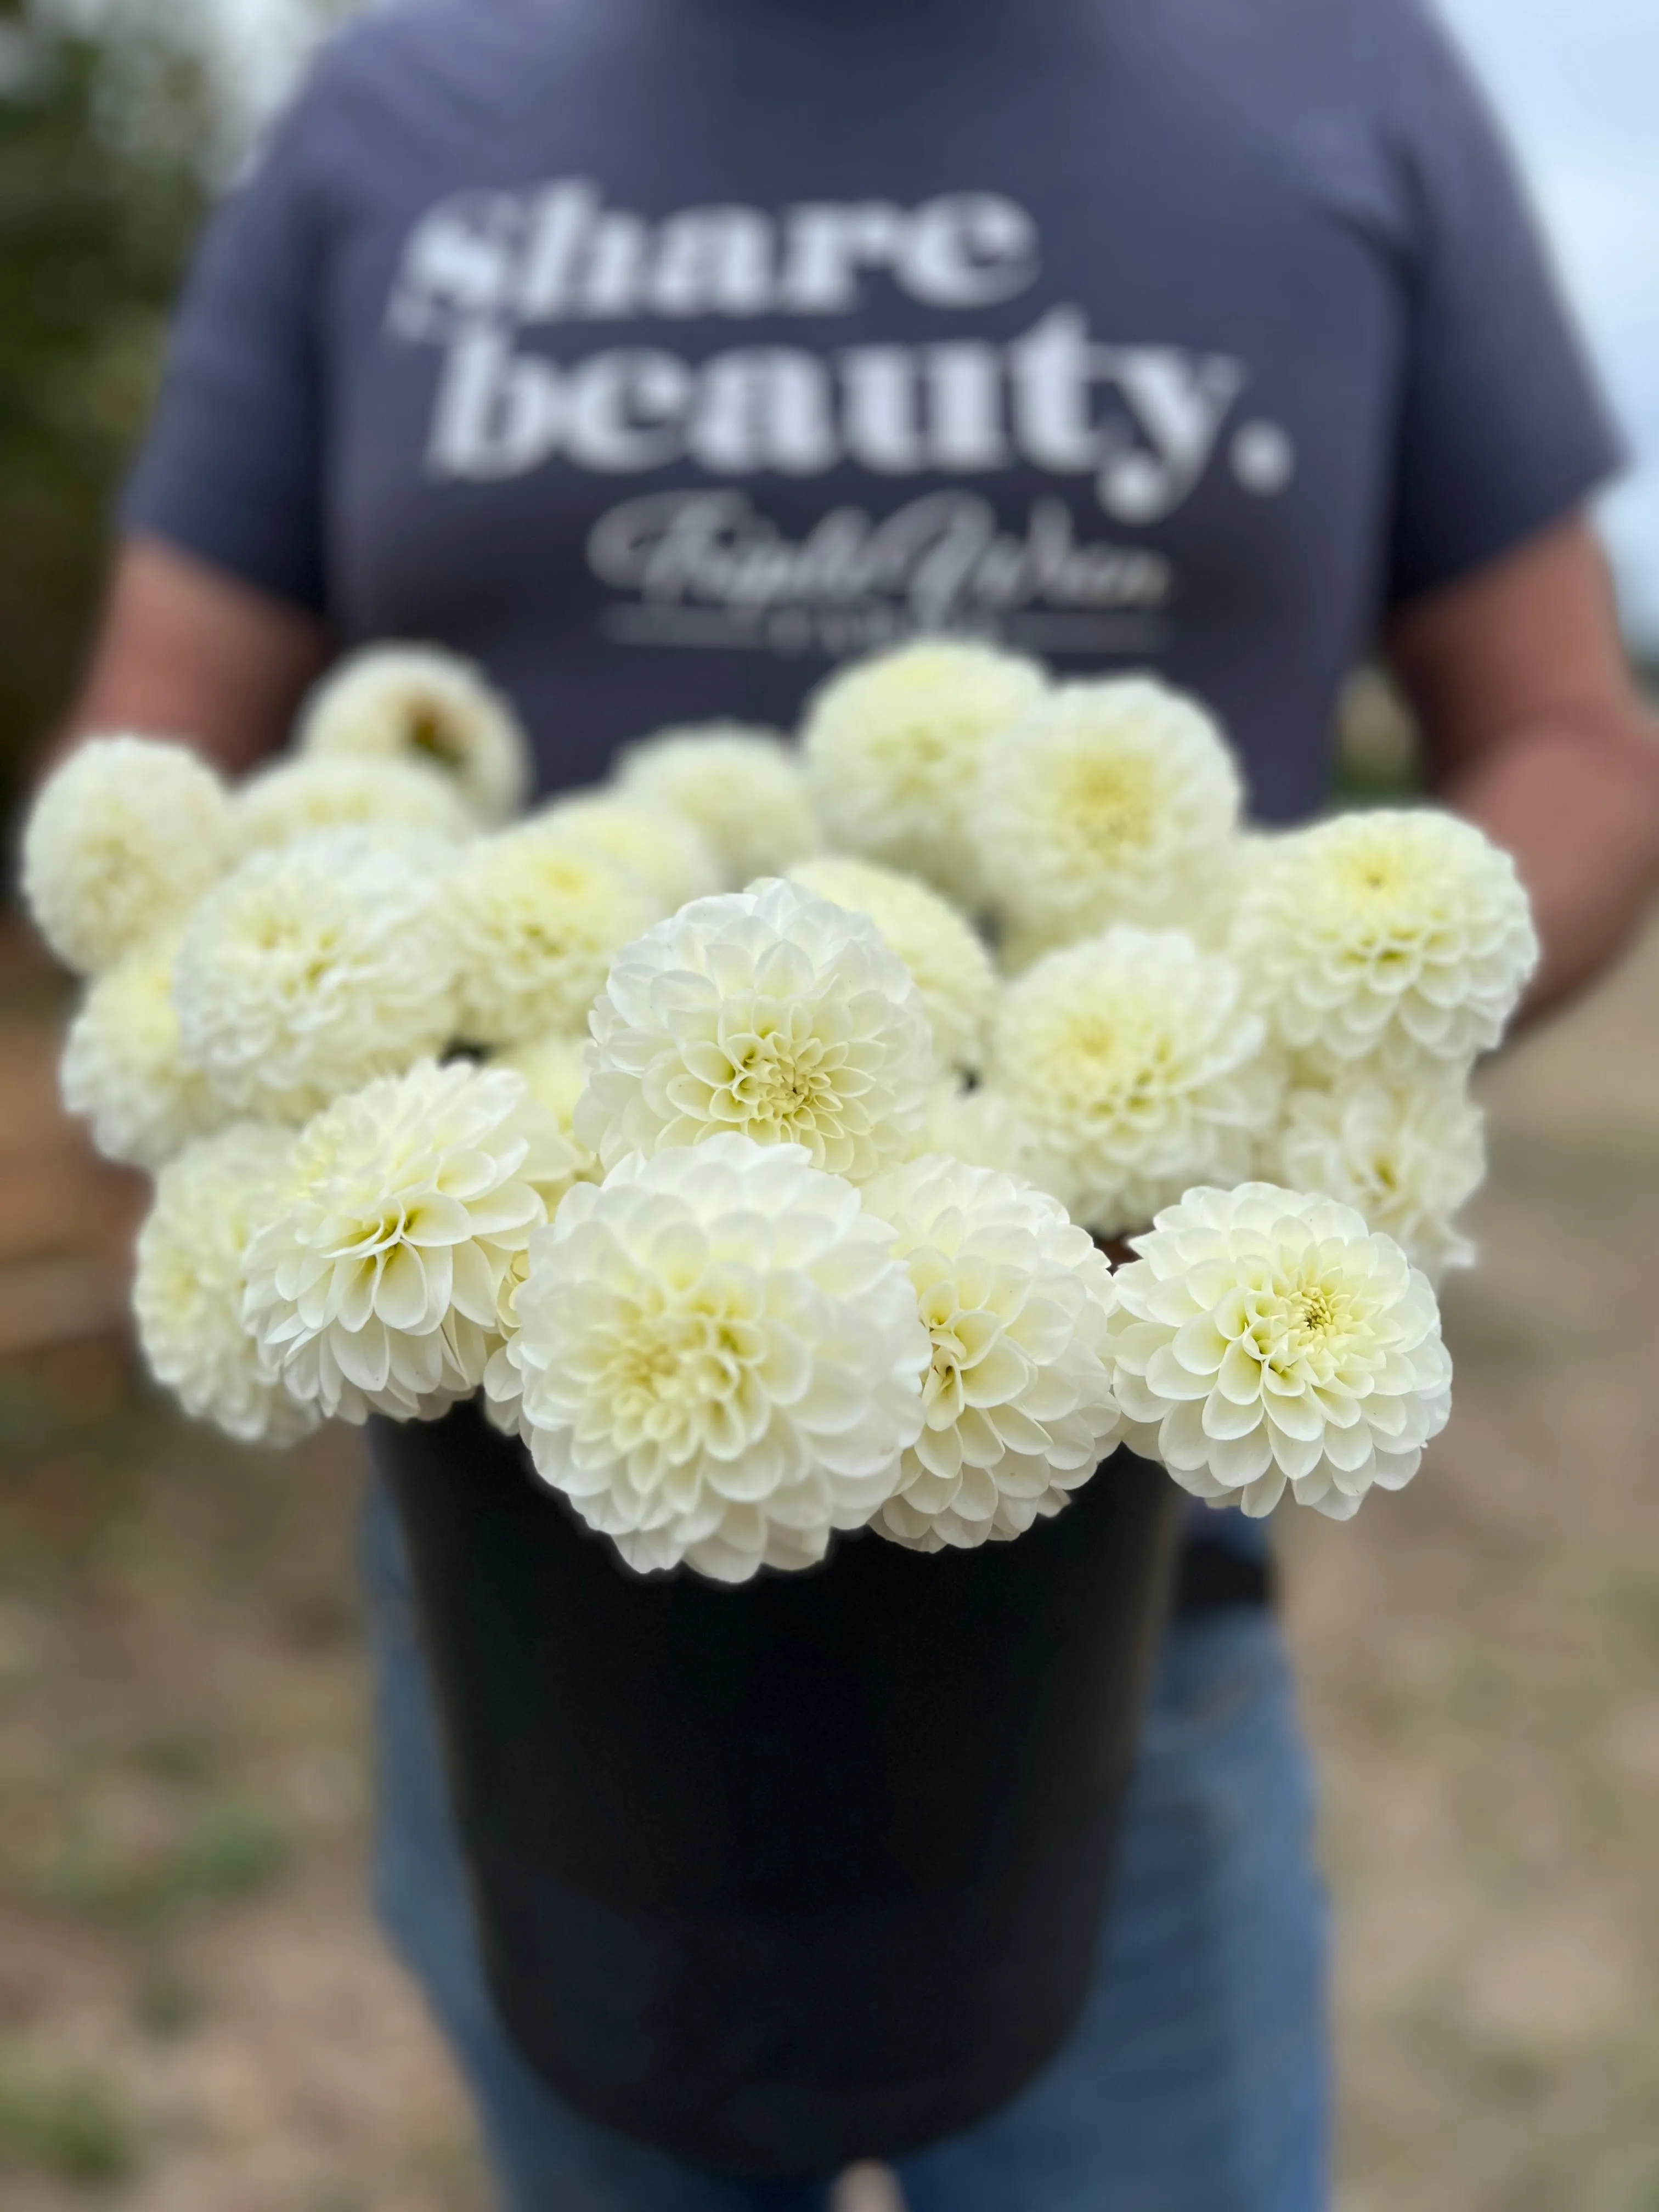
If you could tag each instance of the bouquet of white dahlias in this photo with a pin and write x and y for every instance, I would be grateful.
(746, 1134)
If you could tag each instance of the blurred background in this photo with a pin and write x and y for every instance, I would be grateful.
(195, 2014)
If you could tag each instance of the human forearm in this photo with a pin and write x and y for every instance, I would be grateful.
(186, 652)
(1533, 729)
(1579, 810)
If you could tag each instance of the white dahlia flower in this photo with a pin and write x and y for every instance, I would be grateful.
(555, 1067)
(743, 788)
(1112, 800)
(722, 1362)
(669, 854)
(1406, 1155)
(536, 920)
(124, 1068)
(895, 745)
(313, 967)
(124, 840)
(943, 952)
(765, 1011)
(1264, 1336)
(982, 1126)
(1017, 1404)
(413, 703)
(1139, 1069)
(378, 1286)
(348, 792)
(1402, 933)
(192, 1277)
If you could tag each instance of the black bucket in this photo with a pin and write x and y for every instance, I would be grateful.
(779, 1877)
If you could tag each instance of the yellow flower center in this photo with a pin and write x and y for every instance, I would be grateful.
(1110, 804)
(1118, 1064)
(778, 1083)
(678, 1378)
(650, 1365)
(432, 734)
(1313, 1312)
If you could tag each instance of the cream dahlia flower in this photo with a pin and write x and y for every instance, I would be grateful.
(1263, 1337)
(413, 703)
(313, 967)
(765, 1011)
(743, 788)
(1402, 933)
(378, 1286)
(536, 921)
(669, 854)
(1111, 801)
(1017, 1403)
(1406, 1155)
(1139, 1069)
(982, 1126)
(348, 792)
(123, 841)
(124, 1068)
(555, 1067)
(894, 744)
(722, 1363)
(192, 1277)
(947, 960)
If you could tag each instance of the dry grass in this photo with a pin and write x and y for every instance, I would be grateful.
(1480, 1672)
(195, 2014)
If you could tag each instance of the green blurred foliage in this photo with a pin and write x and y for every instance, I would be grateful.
(70, 2128)
(102, 184)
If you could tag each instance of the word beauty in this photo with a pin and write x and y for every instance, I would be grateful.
(484, 270)
(957, 407)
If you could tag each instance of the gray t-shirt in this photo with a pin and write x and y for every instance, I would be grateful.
(660, 352)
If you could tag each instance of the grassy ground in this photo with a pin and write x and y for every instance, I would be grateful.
(196, 2016)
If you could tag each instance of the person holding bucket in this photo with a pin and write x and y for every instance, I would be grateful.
(657, 355)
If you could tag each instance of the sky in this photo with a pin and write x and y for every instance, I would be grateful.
(1577, 83)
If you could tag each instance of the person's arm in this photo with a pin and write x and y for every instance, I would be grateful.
(1535, 731)
(186, 651)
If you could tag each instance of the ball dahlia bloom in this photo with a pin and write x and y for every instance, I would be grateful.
(296, 796)
(894, 744)
(1111, 801)
(124, 1068)
(1018, 1406)
(668, 853)
(982, 1126)
(123, 841)
(192, 1277)
(743, 788)
(722, 1362)
(1403, 933)
(535, 921)
(1264, 1337)
(943, 952)
(766, 1013)
(1139, 1069)
(555, 1067)
(405, 703)
(377, 1285)
(1406, 1155)
(312, 969)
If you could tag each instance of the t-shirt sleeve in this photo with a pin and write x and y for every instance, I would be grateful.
(1503, 428)
(232, 469)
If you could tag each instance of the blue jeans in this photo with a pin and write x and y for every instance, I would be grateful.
(1197, 2080)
